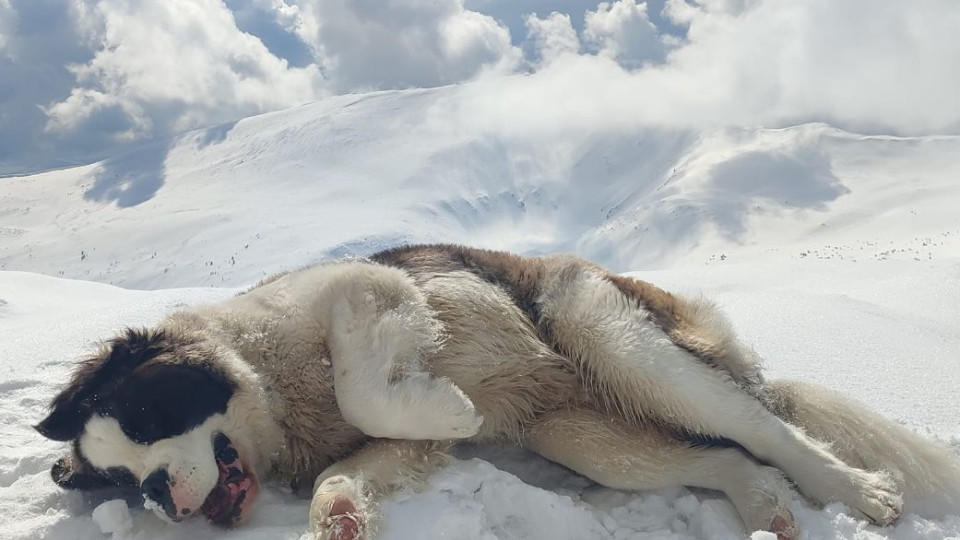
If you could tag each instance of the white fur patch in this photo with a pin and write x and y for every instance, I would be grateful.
(104, 444)
(380, 325)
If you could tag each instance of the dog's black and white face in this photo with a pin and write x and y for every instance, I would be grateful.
(154, 411)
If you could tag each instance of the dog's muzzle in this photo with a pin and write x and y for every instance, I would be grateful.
(226, 505)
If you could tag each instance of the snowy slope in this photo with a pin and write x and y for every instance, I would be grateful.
(837, 256)
(350, 174)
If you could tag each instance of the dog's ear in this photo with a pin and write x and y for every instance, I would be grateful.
(65, 421)
(74, 405)
(72, 473)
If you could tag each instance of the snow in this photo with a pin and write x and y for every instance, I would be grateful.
(228, 205)
(113, 518)
(836, 255)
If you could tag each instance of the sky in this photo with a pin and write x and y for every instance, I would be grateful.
(86, 79)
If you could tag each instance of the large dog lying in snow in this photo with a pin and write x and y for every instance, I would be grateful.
(351, 378)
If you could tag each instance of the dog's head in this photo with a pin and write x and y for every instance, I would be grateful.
(157, 411)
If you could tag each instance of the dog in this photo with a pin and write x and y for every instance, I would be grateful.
(353, 378)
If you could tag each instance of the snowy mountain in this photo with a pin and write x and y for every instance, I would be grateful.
(837, 256)
(351, 174)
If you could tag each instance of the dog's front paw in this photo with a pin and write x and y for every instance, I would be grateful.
(877, 498)
(338, 511)
(448, 413)
(422, 407)
(416, 407)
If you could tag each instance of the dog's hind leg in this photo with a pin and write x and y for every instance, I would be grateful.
(927, 472)
(380, 326)
(632, 367)
(623, 456)
(345, 495)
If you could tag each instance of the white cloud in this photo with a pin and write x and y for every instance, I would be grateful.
(163, 67)
(477, 42)
(373, 44)
(81, 80)
(726, 7)
(875, 66)
(514, 13)
(866, 64)
(680, 12)
(173, 65)
(129, 120)
(552, 37)
(623, 31)
(111, 72)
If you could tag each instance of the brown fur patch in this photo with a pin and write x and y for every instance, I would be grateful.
(519, 277)
(661, 305)
(297, 377)
(666, 312)
(517, 373)
(671, 314)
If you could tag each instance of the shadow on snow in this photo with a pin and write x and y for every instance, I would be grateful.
(136, 177)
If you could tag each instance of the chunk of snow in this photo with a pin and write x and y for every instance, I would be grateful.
(113, 517)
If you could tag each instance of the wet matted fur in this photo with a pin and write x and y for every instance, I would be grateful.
(352, 378)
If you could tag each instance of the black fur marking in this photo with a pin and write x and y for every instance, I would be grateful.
(228, 455)
(135, 378)
(150, 400)
(699, 440)
(122, 477)
(156, 487)
(94, 379)
(68, 474)
(73, 471)
(64, 422)
(221, 444)
(163, 400)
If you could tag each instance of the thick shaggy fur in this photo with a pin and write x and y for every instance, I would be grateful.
(927, 474)
(623, 382)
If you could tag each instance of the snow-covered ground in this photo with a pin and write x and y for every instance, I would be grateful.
(837, 256)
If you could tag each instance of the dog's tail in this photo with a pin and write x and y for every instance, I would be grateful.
(928, 474)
